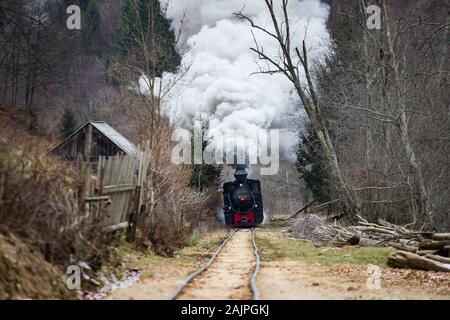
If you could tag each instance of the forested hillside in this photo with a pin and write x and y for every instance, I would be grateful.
(47, 68)
(364, 116)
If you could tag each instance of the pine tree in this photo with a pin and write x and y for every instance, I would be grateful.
(68, 124)
(203, 175)
(92, 21)
(147, 21)
(311, 165)
(88, 38)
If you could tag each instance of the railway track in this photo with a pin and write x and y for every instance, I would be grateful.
(253, 286)
(233, 259)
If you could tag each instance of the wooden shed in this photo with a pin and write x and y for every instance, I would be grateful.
(92, 140)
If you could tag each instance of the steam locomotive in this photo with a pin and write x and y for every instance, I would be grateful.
(243, 207)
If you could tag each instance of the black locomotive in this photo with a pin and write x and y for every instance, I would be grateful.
(243, 207)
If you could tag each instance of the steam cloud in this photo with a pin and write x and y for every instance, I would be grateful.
(221, 85)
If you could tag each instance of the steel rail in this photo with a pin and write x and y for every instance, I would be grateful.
(200, 270)
(253, 286)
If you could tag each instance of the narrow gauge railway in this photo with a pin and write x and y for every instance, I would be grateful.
(247, 278)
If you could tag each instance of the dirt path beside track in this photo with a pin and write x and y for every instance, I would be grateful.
(298, 276)
(294, 280)
(290, 269)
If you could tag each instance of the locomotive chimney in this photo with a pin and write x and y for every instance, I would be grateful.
(241, 173)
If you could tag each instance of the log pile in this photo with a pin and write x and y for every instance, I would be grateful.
(415, 249)
(431, 252)
(322, 232)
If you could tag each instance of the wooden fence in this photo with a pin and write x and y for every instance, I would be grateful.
(116, 192)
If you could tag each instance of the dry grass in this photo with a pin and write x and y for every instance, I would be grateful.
(172, 209)
(191, 255)
(40, 205)
(275, 247)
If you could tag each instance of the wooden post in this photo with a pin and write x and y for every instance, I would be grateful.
(88, 143)
(101, 182)
(87, 155)
(134, 217)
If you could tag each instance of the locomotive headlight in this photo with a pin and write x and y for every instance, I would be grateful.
(244, 197)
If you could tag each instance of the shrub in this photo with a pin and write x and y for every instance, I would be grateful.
(41, 203)
(172, 209)
(193, 239)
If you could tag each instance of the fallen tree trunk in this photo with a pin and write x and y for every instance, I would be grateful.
(425, 252)
(403, 247)
(393, 226)
(363, 242)
(404, 259)
(441, 236)
(433, 245)
(367, 242)
(438, 258)
(302, 209)
(377, 230)
(408, 242)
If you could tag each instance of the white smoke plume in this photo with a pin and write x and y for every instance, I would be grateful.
(221, 84)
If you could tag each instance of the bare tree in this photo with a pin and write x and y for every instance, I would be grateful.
(151, 60)
(308, 95)
(387, 90)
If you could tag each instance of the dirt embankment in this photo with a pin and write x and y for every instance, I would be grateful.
(159, 286)
(227, 278)
(160, 276)
(24, 273)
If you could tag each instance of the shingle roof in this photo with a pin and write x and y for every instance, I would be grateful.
(119, 140)
(109, 132)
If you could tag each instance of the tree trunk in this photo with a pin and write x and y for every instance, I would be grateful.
(441, 67)
(441, 236)
(320, 128)
(422, 200)
(433, 245)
